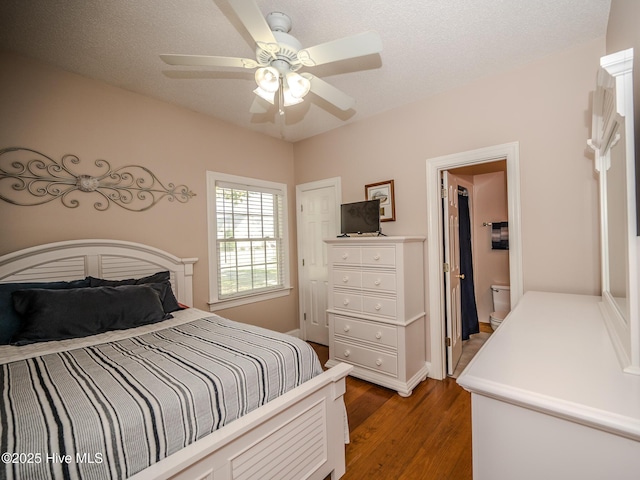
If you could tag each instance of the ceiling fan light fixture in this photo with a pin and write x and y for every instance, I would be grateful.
(268, 79)
(279, 56)
(297, 85)
(268, 96)
(288, 99)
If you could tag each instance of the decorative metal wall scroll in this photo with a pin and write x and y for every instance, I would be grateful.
(28, 177)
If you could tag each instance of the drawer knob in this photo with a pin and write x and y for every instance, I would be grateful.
(347, 353)
(346, 328)
(376, 256)
(377, 282)
(378, 362)
(379, 335)
(345, 256)
(378, 307)
(345, 279)
(345, 302)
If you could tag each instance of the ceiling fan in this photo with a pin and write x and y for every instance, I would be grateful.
(279, 57)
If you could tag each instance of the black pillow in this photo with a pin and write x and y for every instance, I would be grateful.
(79, 312)
(169, 302)
(167, 298)
(155, 278)
(9, 318)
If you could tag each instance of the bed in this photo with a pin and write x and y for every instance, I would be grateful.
(141, 402)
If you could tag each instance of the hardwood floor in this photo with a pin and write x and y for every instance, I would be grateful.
(424, 436)
(486, 327)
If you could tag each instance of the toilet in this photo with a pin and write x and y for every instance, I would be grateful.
(501, 304)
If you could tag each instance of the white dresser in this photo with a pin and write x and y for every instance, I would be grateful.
(549, 399)
(376, 309)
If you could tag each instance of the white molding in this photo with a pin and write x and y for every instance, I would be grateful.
(247, 299)
(436, 165)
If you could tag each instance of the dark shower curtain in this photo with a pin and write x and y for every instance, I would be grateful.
(469, 312)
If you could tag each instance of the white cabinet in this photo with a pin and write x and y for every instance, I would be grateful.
(376, 309)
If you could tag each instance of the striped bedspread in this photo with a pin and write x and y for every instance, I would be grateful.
(110, 410)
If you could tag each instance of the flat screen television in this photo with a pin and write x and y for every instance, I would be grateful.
(360, 217)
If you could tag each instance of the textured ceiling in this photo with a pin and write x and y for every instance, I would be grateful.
(428, 46)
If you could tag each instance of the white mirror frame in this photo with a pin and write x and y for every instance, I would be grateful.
(613, 111)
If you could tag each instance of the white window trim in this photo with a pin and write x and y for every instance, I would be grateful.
(214, 302)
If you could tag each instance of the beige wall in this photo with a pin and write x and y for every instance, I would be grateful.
(57, 113)
(491, 267)
(544, 105)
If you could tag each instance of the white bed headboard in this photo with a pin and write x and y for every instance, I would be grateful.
(110, 259)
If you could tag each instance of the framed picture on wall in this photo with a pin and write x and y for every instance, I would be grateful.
(383, 191)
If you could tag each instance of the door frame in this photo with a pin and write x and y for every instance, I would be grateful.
(336, 184)
(435, 166)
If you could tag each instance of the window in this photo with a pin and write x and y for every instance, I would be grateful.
(248, 251)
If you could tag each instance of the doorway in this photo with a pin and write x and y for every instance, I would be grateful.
(437, 312)
(481, 204)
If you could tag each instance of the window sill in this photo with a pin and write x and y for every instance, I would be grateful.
(236, 302)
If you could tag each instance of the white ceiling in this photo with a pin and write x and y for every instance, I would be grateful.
(428, 46)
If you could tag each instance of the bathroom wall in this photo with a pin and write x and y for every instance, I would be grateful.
(490, 266)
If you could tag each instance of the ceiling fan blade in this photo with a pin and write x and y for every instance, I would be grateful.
(208, 61)
(252, 18)
(330, 93)
(365, 43)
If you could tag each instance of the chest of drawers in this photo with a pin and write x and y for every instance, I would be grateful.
(376, 309)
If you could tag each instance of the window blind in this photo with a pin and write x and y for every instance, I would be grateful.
(249, 241)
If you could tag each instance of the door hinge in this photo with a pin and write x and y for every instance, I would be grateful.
(303, 262)
(301, 208)
(443, 192)
(448, 341)
(304, 316)
(445, 267)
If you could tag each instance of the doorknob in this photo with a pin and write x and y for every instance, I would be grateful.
(461, 276)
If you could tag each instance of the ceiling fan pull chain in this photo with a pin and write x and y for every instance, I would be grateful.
(281, 97)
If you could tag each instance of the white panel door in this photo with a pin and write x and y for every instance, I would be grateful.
(452, 274)
(318, 219)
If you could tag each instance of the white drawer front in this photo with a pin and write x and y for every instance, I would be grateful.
(383, 256)
(346, 278)
(379, 306)
(370, 332)
(378, 361)
(346, 255)
(347, 301)
(385, 282)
